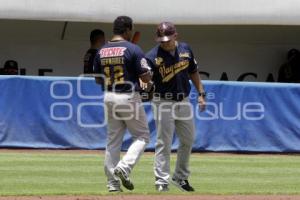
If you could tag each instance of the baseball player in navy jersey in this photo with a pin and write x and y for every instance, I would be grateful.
(173, 65)
(97, 40)
(123, 64)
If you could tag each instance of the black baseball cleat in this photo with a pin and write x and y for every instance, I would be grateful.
(124, 178)
(182, 185)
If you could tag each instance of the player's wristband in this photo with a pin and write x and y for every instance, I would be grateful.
(203, 94)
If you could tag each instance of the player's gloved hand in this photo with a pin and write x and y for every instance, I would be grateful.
(202, 103)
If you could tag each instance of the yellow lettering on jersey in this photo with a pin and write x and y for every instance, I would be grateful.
(112, 61)
(119, 74)
(107, 75)
(118, 77)
(167, 73)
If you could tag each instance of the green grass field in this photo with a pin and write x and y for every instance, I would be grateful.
(82, 174)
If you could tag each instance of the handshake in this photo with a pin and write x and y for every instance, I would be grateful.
(147, 90)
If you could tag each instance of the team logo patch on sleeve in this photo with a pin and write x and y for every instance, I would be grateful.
(158, 61)
(144, 64)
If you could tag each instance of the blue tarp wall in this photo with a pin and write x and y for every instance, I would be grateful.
(66, 112)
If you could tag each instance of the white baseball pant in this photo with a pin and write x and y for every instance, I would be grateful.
(173, 116)
(124, 111)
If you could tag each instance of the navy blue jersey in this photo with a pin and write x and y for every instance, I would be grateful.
(121, 62)
(89, 61)
(171, 72)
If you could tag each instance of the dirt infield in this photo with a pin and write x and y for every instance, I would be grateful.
(159, 197)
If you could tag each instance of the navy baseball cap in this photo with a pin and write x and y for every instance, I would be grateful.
(165, 32)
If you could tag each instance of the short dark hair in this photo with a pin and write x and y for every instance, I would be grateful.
(10, 67)
(121, 24)
(95, 34)
(11, 64)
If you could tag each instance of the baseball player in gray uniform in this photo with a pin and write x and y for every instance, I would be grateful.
(173, 65)
(123, 64)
